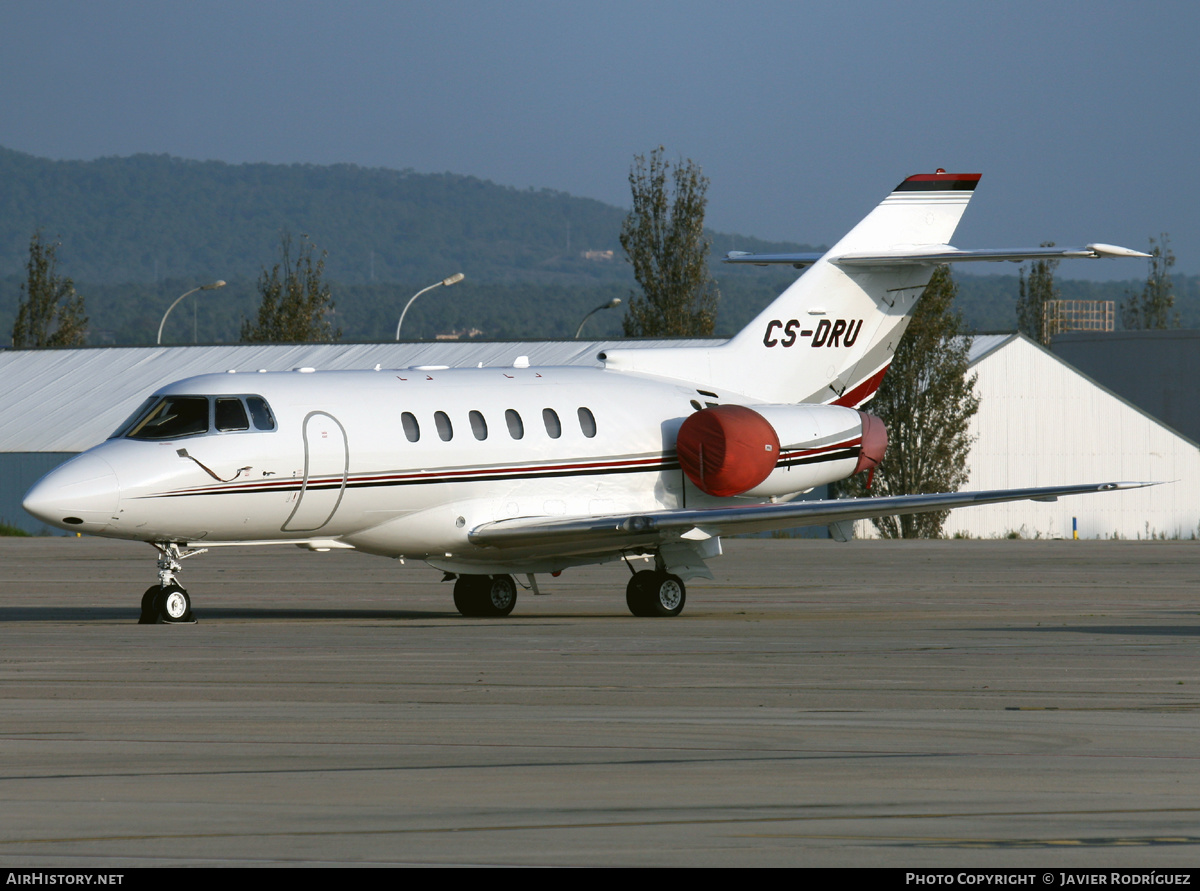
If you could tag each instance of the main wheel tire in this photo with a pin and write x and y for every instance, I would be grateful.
(148, 616)
(499, 595)
(667, 596)
(468, 595)
(492, 596)
(173, 605)
(639, 591)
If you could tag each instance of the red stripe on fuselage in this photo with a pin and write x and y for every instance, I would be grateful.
(480, 474)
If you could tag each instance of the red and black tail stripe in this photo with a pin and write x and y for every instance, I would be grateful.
(940, 182)
(859, 394)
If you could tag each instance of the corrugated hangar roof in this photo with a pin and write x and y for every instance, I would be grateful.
(70, 400)
(983, 344)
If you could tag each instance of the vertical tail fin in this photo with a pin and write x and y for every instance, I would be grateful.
(830, 336)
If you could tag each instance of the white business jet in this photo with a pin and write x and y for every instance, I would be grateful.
(487, 473)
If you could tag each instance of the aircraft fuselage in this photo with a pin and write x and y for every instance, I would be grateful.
(405, 463)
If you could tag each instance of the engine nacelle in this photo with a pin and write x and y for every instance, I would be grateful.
(774, 450)
(727, 449)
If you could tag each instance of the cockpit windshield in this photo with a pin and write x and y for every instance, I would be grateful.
(173, 417)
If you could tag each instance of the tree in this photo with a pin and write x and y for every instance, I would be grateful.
(1153, 308)
(51, 312)
(1033, 295)
(663, 238)
(927, 402)
(296, 302)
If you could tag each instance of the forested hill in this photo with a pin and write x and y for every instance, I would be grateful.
(148, 217)
(137, 232)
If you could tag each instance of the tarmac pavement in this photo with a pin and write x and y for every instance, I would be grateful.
(946, 703)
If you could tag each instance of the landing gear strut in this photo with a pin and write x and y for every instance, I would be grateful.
(485, 595)
(168, 602)
(653, 592)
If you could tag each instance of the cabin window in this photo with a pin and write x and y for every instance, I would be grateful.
(412, 429)
(172, 417)
(587, 422)
(260, 413)
(442, 421)
(516, 428)
(478, 425)
(553, 425)
(231, 415)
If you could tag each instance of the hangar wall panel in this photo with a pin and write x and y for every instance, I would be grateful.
(1042, 423)
(19, 471)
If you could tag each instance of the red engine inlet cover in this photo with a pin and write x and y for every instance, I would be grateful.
(727, 449)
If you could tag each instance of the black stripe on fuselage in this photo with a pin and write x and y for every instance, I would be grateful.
(372, 481)
(430, 479)
(486, 477)
(839, 455)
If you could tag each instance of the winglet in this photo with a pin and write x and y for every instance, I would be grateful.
(1113, 250)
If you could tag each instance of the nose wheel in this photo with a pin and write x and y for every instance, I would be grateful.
(168, 603)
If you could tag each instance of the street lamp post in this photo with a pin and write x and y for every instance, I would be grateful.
(212, 287)
(616, 301)
(452, 280)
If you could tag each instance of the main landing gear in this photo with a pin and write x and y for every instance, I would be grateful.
(485, 595)
(653, 592)
(168, 603)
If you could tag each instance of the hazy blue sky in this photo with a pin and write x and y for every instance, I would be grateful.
(1081, 116)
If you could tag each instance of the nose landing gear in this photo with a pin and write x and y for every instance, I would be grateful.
(168, 603)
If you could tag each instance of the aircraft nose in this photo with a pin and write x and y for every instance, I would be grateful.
(81, 495)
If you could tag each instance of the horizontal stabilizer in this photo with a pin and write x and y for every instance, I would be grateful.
(933, 255)
(797, 260)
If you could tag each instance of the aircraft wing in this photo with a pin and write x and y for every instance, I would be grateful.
(932, 255)
(617, 531)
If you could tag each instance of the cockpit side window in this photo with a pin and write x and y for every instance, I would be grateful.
(260, 413)
(172, 417)
(231, 415)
